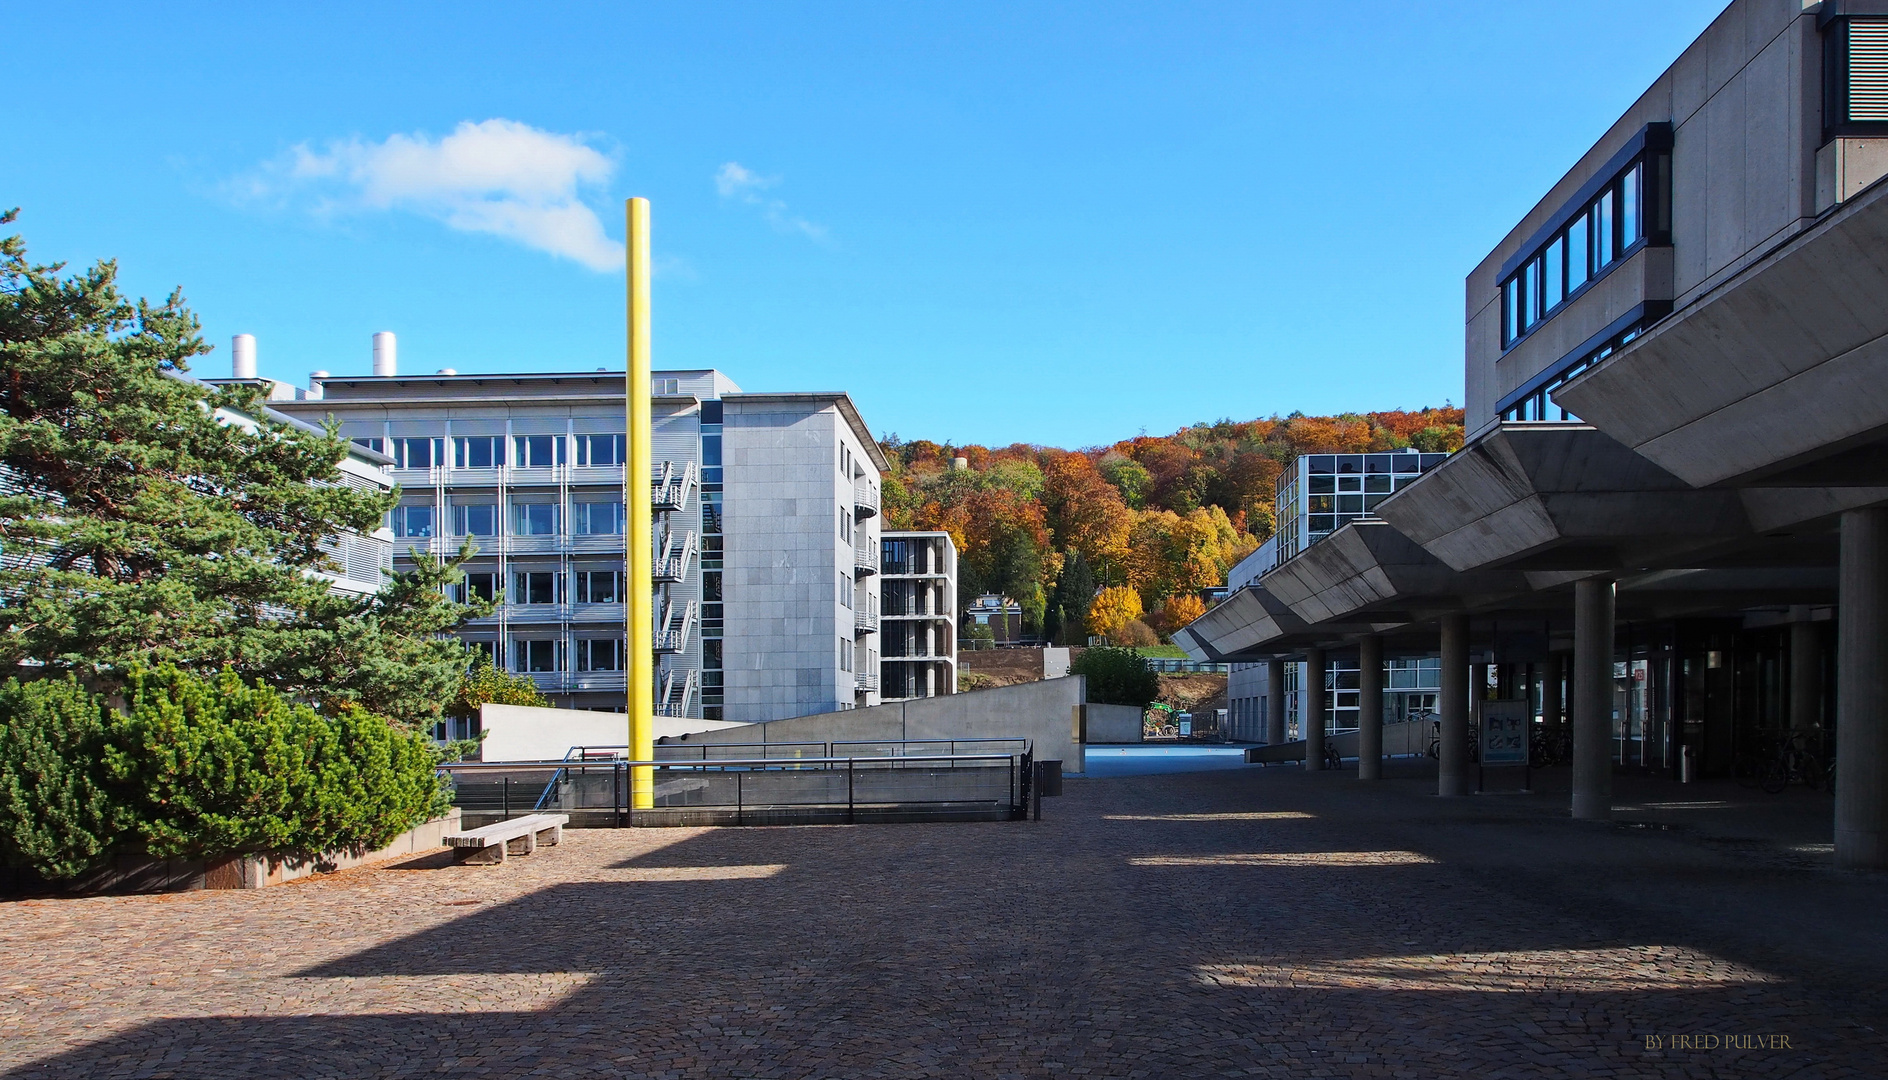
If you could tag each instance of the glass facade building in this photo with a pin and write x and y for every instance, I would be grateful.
(1321, 493)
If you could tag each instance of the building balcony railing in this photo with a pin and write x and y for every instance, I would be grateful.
(908, 568)
(864, 681)
(865, 500)
(915, 613)
(568, 682)
(862, 562)
(675, 690)
(865, 622)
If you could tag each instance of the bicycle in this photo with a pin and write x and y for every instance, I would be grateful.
(1333, 760)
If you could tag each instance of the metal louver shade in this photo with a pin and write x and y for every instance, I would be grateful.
(1868, 72)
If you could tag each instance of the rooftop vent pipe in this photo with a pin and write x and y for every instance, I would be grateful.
(386, 358)
(242, 356)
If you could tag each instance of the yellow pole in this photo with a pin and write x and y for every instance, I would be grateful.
(639, 537)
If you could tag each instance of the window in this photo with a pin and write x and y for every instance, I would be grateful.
(416, 453)
(378, 446)
(845, 654)
(711, 513)
(1606, 228)
(535, 655)
(478, 452)
(481, 584)
(845, 588)
(487, 649)
(711, 586)
(534, 519)
(599, 586)
(665, 387)
(600, 654)
(537, 451)
(596, 450)
(599, 518)
(534, 587)
(415, 521)
(475, 519)
(1537, 404)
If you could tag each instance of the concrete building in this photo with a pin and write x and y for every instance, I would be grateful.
(1670, 517)
(766, 528)
(918, 590)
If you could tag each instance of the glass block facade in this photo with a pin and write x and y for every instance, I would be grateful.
(1321, 493)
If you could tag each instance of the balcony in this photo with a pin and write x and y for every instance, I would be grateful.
(864, 682)
(865, 500)
(863, 563)
(865, 622)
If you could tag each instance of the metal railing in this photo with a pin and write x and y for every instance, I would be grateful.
(865, 620)
(865, 499)
(864, 681)
(1160, 663)
(756, 789)
(864, 561)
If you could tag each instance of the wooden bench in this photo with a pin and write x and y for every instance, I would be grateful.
(518, 836)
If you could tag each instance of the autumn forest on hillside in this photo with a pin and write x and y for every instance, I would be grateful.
(1124, 540)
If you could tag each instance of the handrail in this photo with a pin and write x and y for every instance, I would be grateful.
(559, 764)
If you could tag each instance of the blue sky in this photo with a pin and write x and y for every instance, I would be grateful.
(989, 222)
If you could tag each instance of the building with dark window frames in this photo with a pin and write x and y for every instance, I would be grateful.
(1667, 533)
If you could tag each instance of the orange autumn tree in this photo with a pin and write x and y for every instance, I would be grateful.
(1112, 609)
(1164, 515)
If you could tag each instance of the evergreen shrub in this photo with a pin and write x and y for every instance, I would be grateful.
(1116, 677)
(199, 768)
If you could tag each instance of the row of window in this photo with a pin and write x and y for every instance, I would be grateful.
(1539, 405)
(603, 517)
(555, 654)
(1600, 235)
(489, 451)
(542, 587)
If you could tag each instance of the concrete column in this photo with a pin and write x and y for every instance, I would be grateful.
(1370, 708)
(1452, 770)
(1274, 702)
(1862, 691)
(1593, 699)
(1805, 673)
(1550, 694)
(1313, 719)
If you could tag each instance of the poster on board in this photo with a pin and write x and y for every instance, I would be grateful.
(1504, 732)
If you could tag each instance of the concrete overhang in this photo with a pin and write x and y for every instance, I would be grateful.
(1368, 576)
(1566, 497)
(1776, 377)
(1239, 626)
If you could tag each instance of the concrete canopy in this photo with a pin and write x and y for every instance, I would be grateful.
(1776, 377)
(1367, 577)
(1240, 626)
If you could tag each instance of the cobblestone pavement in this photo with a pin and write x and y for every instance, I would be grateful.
(1248, 923)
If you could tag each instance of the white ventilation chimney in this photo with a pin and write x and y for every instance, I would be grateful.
(386, 359)
(314, 384)
(448, 371)
(242, 356)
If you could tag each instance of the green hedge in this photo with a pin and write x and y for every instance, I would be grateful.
(1116, 677)
(198, 768)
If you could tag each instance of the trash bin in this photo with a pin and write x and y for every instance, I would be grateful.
(1687, 765)
(1049, 777)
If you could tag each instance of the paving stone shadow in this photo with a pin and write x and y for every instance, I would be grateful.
(1160, 927)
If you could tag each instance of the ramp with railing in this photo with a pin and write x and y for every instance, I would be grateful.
(772, 784)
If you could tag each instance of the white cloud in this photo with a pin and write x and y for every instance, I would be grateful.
(735, 181)
(499, 177)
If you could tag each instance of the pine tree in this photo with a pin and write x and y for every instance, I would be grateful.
(139, 526)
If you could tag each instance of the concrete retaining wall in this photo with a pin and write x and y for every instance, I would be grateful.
(527, 733)
(1412, 737)
(143, 874)
(1039, 711)
(1114, 724)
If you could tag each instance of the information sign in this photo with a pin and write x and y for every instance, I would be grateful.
(1504, 732)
